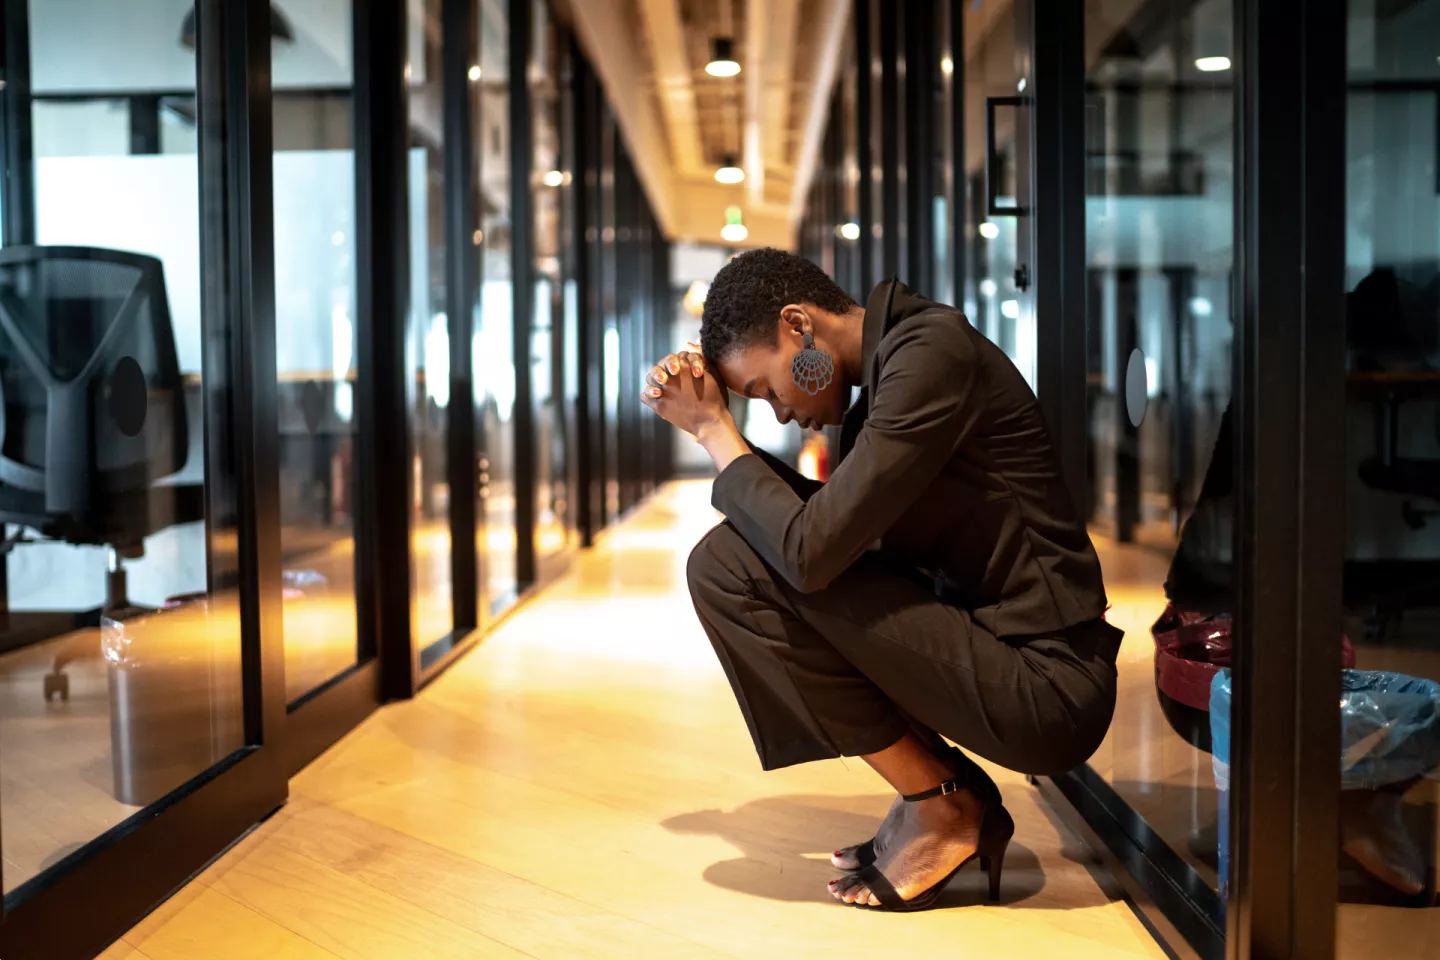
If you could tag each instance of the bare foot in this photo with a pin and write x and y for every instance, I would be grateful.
(931, 838)
(847, 858)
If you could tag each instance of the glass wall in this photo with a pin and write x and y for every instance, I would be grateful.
(314, 173)
(493, 348)
(1388, 836)
(1159, 130)
(119, 623)
(553, 521)
(428, 345)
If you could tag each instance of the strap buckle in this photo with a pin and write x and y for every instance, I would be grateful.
(948, 787)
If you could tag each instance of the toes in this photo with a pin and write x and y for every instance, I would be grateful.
(845, 859)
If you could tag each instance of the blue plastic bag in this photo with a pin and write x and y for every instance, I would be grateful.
(1389, 733)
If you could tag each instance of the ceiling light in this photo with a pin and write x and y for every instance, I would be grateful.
(722, 58)
(730, 172)
(475, 73)
(734, 230)
(1212, 64)
(987, 287)
(989, 231)
(849, 231)
(1020, 85)
(947, 66)
(554, 178)
(1010, 309)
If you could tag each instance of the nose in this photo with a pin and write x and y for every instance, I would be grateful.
(784, 416)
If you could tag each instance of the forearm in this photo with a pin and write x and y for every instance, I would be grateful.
(722, 440)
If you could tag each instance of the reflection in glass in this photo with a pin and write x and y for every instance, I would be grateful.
(1388, 833)
(119, 667)
(315, 345)
(1000, 303)
(492, 348)
(552, 506)
(432, 616)
(1159, 185)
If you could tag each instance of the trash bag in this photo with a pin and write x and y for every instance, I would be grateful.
(1389, 733)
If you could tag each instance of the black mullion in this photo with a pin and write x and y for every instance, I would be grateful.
(522, 267)
(583, 192)
(250, 304)
(382, 304)
(921, 74)
(1290, 390)
(864, 123)
(959, 236)
(462, 185)
(17, 142)
(889, 141)
(1060, 284)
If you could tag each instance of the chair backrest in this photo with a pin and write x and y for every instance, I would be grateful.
(90, 382)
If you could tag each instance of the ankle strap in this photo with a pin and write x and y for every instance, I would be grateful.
(949, 786)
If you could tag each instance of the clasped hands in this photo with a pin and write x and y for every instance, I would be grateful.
(683, 391)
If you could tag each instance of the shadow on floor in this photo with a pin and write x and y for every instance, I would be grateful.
(786, 843)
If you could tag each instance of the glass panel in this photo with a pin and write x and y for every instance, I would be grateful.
(995, 77)
(119, 630)
(315, 341)
(944, 154)
(610, 353)
(1388, 806)
(1160, 137)
(493, 346)
(552, 506)
(432, 612)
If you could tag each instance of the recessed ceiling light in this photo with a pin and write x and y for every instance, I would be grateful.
(554, 178)
(722, 58)
(734, 232)
(730, 171)
(989, 231)
(849, 231)
(475, 73)
(1212, 64)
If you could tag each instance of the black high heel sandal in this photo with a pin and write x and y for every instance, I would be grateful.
(979, 783)
(996, 829)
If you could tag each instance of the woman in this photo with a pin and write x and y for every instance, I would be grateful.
(939, 584)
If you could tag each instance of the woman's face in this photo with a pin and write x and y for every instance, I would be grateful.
(763, 372)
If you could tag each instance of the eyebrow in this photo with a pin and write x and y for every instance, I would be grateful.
(748, 387)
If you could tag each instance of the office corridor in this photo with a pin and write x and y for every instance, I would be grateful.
(581, 785)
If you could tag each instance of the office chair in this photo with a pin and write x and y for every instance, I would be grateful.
(93, 408)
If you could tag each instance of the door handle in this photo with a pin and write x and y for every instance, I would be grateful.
(992, 159)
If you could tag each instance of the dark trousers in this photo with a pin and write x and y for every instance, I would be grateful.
(848, 670)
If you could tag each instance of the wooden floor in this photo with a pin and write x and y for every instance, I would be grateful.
(582, 785)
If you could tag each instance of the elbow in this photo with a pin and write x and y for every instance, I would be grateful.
(810, 577)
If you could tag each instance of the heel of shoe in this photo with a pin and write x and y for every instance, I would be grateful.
(993, 865)
(995, 834)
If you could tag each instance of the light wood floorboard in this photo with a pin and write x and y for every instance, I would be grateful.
(582, 785)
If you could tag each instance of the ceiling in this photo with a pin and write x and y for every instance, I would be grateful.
(682, 124)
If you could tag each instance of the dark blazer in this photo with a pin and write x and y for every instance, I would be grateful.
(945, 465)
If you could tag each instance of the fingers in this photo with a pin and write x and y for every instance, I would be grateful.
(695, 361)
(658, 375)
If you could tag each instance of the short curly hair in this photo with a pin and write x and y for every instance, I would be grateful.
(748, 293)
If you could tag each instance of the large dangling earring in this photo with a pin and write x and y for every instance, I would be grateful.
(812, 370)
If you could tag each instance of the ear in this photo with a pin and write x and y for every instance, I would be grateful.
(797, 318)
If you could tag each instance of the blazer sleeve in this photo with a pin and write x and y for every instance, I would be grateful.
(804, 487)
(926, 398)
